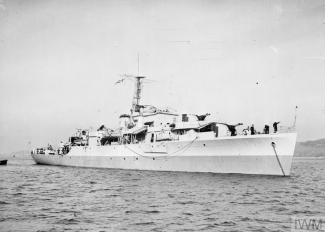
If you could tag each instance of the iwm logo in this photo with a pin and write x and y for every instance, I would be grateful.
(307, 224)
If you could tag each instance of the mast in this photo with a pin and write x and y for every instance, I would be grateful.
(137, 93)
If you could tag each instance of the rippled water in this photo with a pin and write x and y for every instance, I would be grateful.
(48, 198)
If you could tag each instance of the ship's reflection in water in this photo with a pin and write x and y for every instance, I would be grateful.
(49, 198)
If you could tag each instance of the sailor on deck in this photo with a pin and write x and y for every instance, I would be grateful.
(61, 146)
(275, 126)
(252, 130)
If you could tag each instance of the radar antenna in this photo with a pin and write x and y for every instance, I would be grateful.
(138, 88)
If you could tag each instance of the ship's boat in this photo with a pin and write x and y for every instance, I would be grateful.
(159, 139)
(3, 162)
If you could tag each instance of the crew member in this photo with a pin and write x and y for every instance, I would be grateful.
(266, 129)
(275, 126)
(252, 130)
(61, 146)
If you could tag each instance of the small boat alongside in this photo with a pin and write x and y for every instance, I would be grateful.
(3, 162)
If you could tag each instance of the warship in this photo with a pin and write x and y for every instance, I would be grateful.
(160, 139)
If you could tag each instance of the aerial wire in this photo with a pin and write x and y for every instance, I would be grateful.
(138, 64)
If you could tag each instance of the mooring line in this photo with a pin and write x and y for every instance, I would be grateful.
(164, 156)
(276, 155)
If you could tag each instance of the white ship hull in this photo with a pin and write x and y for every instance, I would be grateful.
(241, 154)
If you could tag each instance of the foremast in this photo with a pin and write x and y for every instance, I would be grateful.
(137, 93)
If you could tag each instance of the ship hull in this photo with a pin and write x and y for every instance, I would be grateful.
(259, 154)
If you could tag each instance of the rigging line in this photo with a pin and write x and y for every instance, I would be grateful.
(159, 145)
(165, 156)
(170, 157)
(273, 145)
(294, 123)
(185, 148)
(182, 148)
(161, 157)
(138, 64)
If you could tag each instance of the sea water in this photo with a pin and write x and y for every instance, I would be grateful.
(52, 198)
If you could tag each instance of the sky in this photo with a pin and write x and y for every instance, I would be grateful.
(242, 61)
